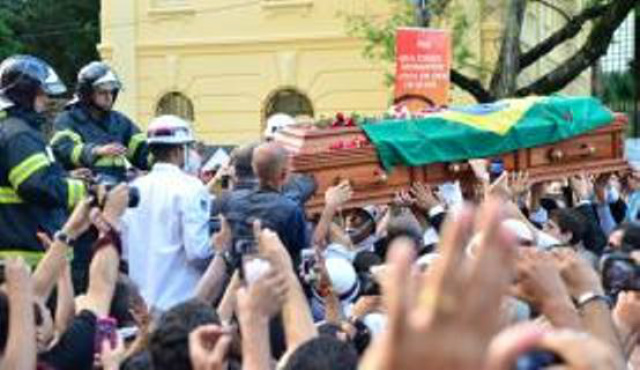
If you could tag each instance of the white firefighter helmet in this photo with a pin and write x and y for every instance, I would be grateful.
(169, 130)
(276, 123)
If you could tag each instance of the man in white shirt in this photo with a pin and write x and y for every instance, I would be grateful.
(168, 232)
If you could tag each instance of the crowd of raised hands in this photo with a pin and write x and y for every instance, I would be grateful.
(476, 294)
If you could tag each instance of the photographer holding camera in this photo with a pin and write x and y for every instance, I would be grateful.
(168, 231)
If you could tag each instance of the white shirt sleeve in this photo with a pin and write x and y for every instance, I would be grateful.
(196, 206)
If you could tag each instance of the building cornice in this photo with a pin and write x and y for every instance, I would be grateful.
(283, 4)
(223, 45)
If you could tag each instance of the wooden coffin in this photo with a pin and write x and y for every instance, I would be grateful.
(335, 154)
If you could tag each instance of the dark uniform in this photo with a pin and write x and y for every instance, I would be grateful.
(35, 192)
(77, 134)
(85, 126)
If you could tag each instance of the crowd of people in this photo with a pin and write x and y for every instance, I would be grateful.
(115, 255)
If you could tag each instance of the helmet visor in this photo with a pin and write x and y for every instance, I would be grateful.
(52, 84)
(108, 82)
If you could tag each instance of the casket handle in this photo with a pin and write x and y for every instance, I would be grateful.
(379, 177)
(558, 155)
(457, 167)
(587, 150)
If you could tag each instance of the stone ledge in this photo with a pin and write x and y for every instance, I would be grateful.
(284, 4)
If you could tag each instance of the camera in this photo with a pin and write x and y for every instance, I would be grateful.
(243, 239)
(244, 249)
(108, 184)
(307, 267)
(620, 272)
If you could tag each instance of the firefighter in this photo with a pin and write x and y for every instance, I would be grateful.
(35, 192)
(90, 134)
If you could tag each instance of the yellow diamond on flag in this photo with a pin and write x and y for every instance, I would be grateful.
(498, 117)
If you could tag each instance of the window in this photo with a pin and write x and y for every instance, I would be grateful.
(176, 104)
(289, 101)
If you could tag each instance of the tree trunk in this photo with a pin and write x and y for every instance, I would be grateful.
(472, 86)
(566, 33)
(594, 48)
(505, 77)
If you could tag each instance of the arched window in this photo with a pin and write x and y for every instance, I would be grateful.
(289, 101)
(176, 104)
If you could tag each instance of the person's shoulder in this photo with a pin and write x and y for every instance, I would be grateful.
(15, 128)
(286, 202)
(121, 118)
(190, 183)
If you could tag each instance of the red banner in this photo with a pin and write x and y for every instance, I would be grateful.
(423, 67)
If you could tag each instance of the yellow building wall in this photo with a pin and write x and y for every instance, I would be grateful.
(229, 56)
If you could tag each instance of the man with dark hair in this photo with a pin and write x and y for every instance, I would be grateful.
(241, 160)
(169, 342)
(242, 179)
(268, 204)
(572, 229)
(323, 353)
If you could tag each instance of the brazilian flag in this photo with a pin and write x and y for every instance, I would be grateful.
(485, 130)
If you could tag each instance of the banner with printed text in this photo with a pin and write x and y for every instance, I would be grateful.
(423, 67)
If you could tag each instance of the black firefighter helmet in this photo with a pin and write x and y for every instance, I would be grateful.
(94, 76)
(22, 77)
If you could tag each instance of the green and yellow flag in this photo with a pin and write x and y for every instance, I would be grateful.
(485, 130)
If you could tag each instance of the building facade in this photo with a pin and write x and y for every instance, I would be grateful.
(228, 64)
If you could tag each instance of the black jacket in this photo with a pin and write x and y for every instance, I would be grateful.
(35, 193)
(275, 210)
(78, 133)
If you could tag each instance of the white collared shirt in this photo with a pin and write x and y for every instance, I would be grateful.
(166, 234)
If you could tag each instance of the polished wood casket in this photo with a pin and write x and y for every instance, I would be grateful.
(335, 154)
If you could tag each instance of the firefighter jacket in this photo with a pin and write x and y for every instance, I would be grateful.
(78, 133)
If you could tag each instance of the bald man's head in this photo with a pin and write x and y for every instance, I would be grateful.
(270, 162)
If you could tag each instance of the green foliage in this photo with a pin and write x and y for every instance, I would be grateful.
(62, 32)
(380, 34)
(618, 87)
(9, 44)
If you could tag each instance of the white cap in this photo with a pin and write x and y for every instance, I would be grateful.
(171, 130)
(276, 123)
(343, 278)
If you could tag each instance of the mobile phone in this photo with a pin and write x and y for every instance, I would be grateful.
(537, 360)
(620, 272)
(106, 329)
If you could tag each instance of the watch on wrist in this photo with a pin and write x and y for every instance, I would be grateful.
(63, 237)
(590, 297)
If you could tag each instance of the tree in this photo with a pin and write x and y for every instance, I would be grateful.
(618, 87)
(62, 32)
(9, 44)
(603, 16)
